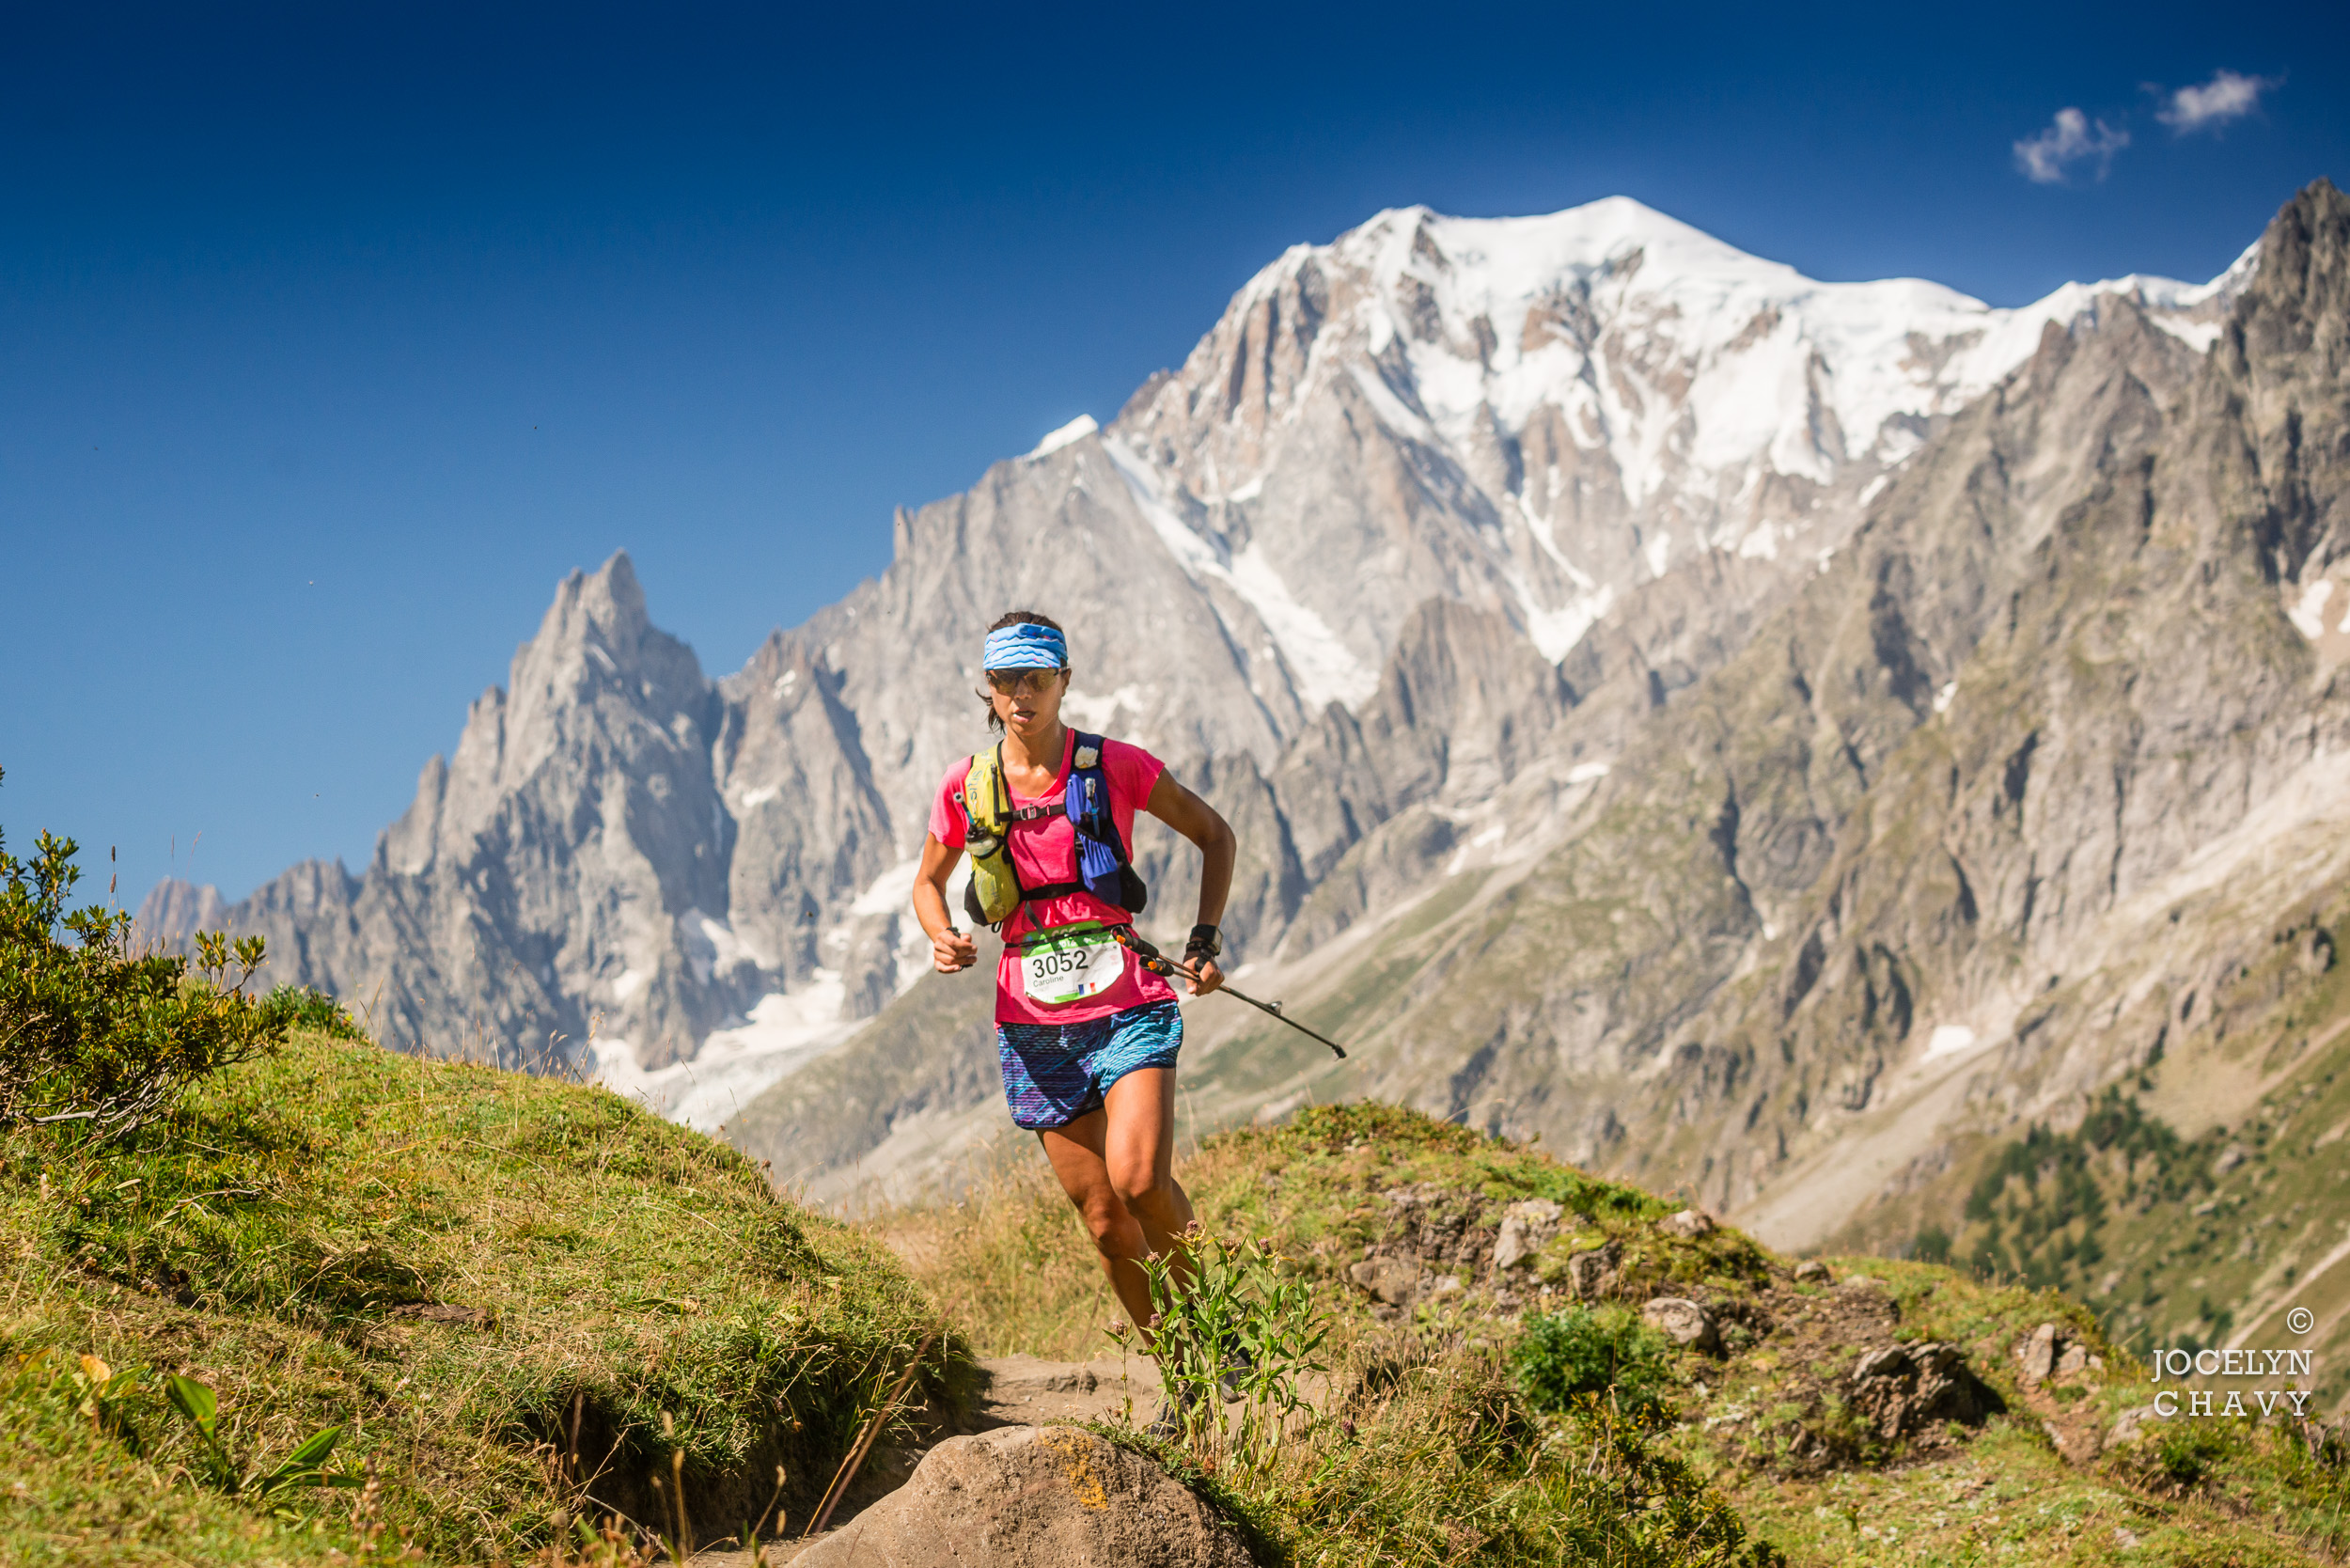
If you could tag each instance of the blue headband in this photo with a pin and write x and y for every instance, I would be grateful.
(1025, 646)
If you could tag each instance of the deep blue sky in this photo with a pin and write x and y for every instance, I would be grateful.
(331, 336)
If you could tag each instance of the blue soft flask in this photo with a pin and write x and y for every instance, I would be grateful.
(1098, 865)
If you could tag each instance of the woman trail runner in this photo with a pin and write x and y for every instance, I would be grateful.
(1087, 1036)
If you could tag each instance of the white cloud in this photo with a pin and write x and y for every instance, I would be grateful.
(2069, 139)
(2229, 95)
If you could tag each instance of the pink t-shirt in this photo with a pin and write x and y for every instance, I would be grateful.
(1045, 849)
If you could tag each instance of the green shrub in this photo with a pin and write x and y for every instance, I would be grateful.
(1583, 1353)
(299, 1007)
(1339, 1127)
(2186, 1453)
(92, 1033)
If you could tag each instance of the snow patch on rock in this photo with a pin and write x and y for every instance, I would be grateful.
(1093, 711)
(1947, 1040)
(891, 893)
(784, 1032)
(1324, 667)
(1076, 429)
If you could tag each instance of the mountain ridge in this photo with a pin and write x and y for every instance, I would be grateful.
(1804, 986)
(701, 881)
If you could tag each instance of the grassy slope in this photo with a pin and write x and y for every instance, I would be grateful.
(1437, 1461)
(1764, 1428)
(638, 1272)
(632, 1273)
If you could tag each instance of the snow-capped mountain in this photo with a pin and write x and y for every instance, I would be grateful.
(1418, 495)
(1590, 395)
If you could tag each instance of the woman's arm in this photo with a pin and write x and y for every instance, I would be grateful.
(951, 949)
(1199, 821)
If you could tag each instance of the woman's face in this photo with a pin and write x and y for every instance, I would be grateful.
(1027, 700)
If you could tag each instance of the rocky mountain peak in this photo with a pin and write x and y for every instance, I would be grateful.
(1547, 415)
(599, 679)
(596, 638)
(2297, 302)
(610, 597)
(174, 910)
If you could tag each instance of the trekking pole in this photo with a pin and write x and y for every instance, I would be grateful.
(1158, 964)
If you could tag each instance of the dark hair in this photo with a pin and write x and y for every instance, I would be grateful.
(1015, 618)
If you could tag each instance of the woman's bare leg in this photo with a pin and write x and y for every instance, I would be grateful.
(1117, 1165)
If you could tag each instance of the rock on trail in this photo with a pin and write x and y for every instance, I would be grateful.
(899, 1493)
(1028, 1497)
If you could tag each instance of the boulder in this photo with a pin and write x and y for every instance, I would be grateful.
(1592, 1275)
(1392, 1281)
(1682, 1321)
(1907, 1388)
(1885, 1361)
(2131, 1424)
(1691, 1223)
(2040, 1354)
(1524, 1226)
(1813, 1271)
(1028, 1496)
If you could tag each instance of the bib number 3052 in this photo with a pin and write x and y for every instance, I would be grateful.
(1070, 964)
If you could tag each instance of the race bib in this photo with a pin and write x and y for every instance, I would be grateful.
(1069, 963)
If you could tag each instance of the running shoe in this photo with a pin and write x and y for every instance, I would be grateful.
(1237, 1368)
(1175, 1405)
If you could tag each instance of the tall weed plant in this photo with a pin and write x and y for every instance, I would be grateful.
(1231, 1323)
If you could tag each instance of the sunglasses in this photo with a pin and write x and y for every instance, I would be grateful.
(1022, 683)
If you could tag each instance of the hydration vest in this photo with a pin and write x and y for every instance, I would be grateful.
(1103, 866)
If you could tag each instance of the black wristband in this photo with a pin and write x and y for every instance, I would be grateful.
(1204, 940)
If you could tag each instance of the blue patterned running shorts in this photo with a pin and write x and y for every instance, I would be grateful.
(1056, 1072)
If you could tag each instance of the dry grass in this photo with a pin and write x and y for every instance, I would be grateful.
(1010, 1260)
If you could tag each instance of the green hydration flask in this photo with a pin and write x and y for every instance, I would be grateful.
(994, 890)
